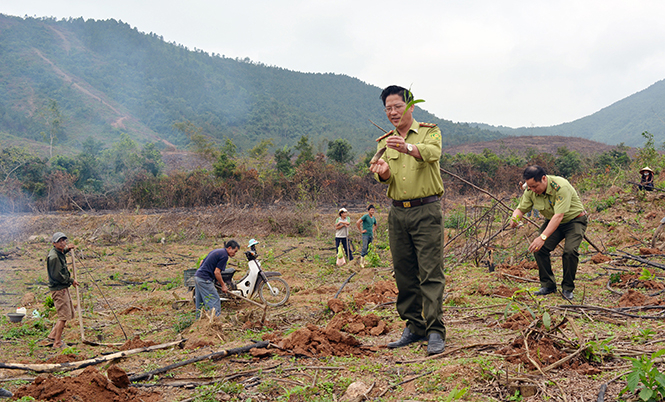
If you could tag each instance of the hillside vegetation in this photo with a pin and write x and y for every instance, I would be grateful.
(74, 79)
(621, 122)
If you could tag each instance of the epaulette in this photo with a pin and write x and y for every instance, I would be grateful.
(554, 185)
(385, 135)
(427, 124)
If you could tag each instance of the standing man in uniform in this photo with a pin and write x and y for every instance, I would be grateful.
(368, 222)
(565, 218)
(59, 281)
(410, 168)
(210, 271)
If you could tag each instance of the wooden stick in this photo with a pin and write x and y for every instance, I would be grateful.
(50, 368)
(78, 297)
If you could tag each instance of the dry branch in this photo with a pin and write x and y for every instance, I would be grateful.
(214, 356)
(50, 368)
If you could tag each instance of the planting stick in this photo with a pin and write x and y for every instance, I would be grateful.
(78, 297)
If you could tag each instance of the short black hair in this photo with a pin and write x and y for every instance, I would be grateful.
(534, 172)
(370, 207)
(231, 243)
(396, 90)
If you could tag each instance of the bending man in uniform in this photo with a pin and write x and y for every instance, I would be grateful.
(59, 281)
(410, 168)
(209, 272)
(565, 218)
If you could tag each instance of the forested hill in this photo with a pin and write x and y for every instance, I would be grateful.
(621, 122)
(84, 78)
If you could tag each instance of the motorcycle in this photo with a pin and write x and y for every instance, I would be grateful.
(271, 289)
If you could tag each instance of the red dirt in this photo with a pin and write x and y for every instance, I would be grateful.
(634, 298)
(543, 351)
(517, 321)
(336, 305)
(118, 376)
(136, 343)
(599, 258)
(89, 386)
(650, 251)
(501, 290)
(381, 292)
(356, 324)
(314, 341)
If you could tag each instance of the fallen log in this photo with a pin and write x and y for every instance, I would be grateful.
(51, 368)
(213, 356)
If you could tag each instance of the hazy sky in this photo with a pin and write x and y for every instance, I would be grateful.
(501, 62)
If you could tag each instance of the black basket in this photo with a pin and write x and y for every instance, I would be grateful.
(188, 278)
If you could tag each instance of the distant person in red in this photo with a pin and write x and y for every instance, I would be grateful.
(646, 179)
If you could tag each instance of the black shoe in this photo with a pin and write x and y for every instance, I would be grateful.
(407, 338)
(544, 291)
(5, 393)
(567, 294)
(435, 344)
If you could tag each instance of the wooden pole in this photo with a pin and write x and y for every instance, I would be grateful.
(78, 297)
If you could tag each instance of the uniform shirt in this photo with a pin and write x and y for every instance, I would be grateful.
(411, 178)
(58, 274)
(559, 198)
(344, 230)
(368, 224)
(216, 259)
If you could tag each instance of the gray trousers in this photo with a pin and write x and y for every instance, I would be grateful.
(206, 296)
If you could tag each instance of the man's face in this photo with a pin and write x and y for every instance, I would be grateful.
(372, 211)
(395, 106)
(60, 244)
(537, 187)
(232, 251)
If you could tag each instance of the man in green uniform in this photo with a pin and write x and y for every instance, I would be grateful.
(565, 218)
(410, 168)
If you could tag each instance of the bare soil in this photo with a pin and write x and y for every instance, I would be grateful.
(130, 265)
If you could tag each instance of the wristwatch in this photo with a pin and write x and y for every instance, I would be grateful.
(409, 148)
(542, 236)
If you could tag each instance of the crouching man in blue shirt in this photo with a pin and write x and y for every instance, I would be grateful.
(209, 272)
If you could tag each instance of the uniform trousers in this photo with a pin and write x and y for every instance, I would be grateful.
(416, 245)
(573, 232)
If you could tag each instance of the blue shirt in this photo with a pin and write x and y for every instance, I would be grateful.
(216, 259)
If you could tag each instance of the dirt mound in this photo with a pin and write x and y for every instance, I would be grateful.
(502, 290)
(544, 351)
(649, 251)
(356, 324)
(599, 258)
(519, 269)
(314, 341)
(634, 298)
(58, 359)
(336, 305)
(632, 280)
(205, 333)
(380, 292)
(517, 321)
(136, 343)
(118, 376)
(89, 386)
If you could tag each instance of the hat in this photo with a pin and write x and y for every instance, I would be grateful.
(57, 236)
(646, 169)
(252, 242)
(342, 210)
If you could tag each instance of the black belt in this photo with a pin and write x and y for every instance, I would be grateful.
(417, 202)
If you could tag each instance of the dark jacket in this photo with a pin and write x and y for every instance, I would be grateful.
(58, 274)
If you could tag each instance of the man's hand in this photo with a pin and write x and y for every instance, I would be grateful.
(225, 289)
(516, 218)
(536, 244)
(397, 143)
(364, 231)
(75, 284)
(381, 168)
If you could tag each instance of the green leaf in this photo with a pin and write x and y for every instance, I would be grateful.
(658, 354)
(646, 394)
(632, 380)
(547, 320)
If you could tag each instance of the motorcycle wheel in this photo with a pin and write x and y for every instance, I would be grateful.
(658, 240)
(280, 292)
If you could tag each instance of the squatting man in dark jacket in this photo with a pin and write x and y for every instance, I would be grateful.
(209, 272)
(565, 218)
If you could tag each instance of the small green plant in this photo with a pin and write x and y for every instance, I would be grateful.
(184, 321)
(644, 335)
(48, 302)
(26, 399)
(456, 394)
(647, 275)
(515, 397)
(372, 258)
(615, 277)
(70, 350)
(598, 349)
(645, 379)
